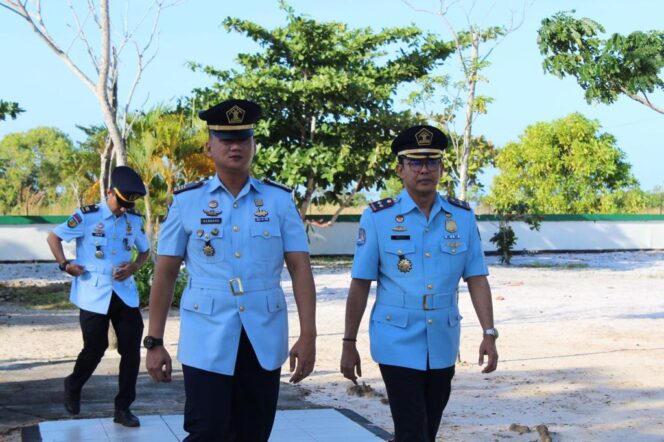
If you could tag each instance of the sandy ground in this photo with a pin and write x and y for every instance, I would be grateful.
(581, 349)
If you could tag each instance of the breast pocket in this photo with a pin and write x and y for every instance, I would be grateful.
(400, 257)
(266, 243)
(454, 254)
(209, 250)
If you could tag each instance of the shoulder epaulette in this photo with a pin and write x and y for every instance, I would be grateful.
(381, 204)
(90, 208)
(458, 203)
(279, 185)
(134, 212)
(186, 187)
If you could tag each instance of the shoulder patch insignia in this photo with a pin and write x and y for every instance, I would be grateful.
(381, 204)
(134, 212)
(279, 185)
(458, 203)
(186, 187)
(90, 208)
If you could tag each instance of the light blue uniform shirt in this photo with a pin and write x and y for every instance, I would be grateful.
(234, 249)
(98, 232)
(418, 264)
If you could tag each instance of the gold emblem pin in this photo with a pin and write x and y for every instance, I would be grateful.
(450, 225)
(399, 228)
(208, 250)
(404, 265)
(211, 212)
(261, 213)
(235, 114)
(99, 254)
(258, 202)
(424, 137)
(213, 204)
(215, 231)
(398, 218)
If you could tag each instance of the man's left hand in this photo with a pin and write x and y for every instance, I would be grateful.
(124, 271)
(302, 358)
(488, 348)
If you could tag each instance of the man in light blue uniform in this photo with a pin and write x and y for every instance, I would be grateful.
(103, 286)
(234, 233)
(417, 246)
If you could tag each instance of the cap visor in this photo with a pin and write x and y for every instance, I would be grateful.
(233, 134)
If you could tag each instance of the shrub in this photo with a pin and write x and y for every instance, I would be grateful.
(143, 278)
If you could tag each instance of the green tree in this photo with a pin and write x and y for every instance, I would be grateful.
(30, 169)
(620, 65)
(327, 92)
(565, 167)
(9, 109)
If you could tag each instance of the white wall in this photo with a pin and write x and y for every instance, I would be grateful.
(28, 242)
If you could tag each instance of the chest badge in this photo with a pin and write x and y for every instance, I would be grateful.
(127, 247)
(208, 249)
(399, 228)
(260, 215)
(211, 212)
(399, 218)
(215, 231)
(450, 225)
(213, 204)
(99, 253)
(404, 265)
(199, 233)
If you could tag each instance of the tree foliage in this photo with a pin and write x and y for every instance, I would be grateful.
(30, 169)
(327, 92)
(565, 167)
(9, 109)
(605, 69)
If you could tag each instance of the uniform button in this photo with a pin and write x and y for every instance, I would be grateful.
(388, 317)
(114, 252)
(236, 229)
(241, 308)
(426, 229)
(429, 286)
(453, 250)
(234, 205)
(195, 306)
(266, 233)
(237, 254)
(430, 321)
(399, 252)
(427, 254)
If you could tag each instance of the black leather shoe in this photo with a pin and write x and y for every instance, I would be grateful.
(126, 418)
(72, 400)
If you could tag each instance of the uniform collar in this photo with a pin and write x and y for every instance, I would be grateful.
(407, 203)
(105, 210)
(214, 183)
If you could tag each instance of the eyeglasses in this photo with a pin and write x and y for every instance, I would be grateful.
(417, 165)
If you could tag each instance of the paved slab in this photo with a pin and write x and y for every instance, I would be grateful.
(318, 425)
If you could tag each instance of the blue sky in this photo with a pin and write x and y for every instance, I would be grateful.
(52, 96)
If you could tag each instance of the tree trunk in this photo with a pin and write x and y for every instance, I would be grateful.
(306, 201)
(467, 133)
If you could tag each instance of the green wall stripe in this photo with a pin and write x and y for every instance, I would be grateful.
(57, 219)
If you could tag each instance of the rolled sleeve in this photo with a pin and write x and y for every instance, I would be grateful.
(365, 262)
(292, 230)
(72, 228)
(172, 235)
(475, 264)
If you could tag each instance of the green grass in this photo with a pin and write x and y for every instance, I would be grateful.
(50, 297)
(332, 260)
(551, 265)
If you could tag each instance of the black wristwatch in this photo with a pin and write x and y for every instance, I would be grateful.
(151, 342)
(63, 265)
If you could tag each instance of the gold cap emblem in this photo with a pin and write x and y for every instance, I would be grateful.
(424, 137)
(235, 115)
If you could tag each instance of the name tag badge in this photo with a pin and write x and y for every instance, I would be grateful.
(210, 220)
(400, 237)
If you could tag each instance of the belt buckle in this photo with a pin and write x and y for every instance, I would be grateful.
(427, 305)
(236, 286)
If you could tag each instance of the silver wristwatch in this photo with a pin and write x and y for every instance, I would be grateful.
(491, 332)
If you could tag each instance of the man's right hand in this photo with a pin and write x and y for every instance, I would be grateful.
(350, 362)
(158, 363)
(74, 269)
